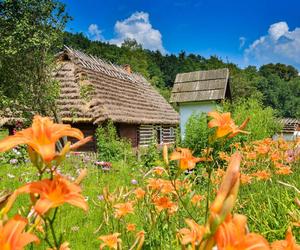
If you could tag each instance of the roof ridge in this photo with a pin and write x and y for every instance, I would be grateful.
(95, 63)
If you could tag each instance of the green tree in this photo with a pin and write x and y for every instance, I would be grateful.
(31, 32)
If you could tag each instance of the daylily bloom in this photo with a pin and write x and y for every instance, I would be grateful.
(185, 157)
(197, 198)
(288, 244)
(262, 175)
(225, 125)
(53, 193)
(64, 246)
(192, 235)
(162, 203)
(231, 234)
(123, 209)
(139, 193)
(130, 227)
(12, 235)
(112, 241)
(284, 171)
(139, 241)
(245, 179)
(42, 136)
(227, 193)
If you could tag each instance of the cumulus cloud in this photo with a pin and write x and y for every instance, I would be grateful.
(138, 27)
(280, 44)
(242, 41)
(94, 32)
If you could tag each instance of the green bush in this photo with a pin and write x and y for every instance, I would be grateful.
(110, 147)
(263, 122)
(196, 133)
(150, 155)
(15, 156)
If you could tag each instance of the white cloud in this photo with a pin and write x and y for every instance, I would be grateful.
(138, 27)
(242, 41)
(279, 45)
(95, 32)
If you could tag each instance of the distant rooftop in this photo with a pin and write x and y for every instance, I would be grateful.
(201, 86)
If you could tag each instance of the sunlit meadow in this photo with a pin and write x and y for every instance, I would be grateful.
(74, 200)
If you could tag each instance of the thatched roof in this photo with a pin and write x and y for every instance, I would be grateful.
(93, 90)
(290, 125)
(201, 86)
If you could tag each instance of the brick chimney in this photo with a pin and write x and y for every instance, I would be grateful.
(127, 68)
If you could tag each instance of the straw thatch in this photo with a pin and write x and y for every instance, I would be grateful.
(290, 125)
(201, 86)
(94, 91)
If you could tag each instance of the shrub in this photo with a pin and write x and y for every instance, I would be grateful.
(150, 155)
(14, 156)
(263, 122)
(110, 147)
(196, 133)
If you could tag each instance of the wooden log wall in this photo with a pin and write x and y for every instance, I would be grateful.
(162, 133)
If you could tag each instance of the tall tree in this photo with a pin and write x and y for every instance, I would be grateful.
(31, 32)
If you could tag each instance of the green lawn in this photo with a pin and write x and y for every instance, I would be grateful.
(267, 204)
(3, 133)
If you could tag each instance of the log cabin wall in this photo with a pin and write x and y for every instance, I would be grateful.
(161, 133)
(88, 129)
(128, 131)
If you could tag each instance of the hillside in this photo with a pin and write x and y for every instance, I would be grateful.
(279, 84)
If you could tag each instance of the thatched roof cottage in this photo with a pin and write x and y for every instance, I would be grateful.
(94, 91)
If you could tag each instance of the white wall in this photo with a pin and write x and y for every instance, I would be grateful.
(187, 109)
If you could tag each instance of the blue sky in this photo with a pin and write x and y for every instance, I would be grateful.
(244, 32)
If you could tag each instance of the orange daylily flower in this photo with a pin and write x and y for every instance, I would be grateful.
(53, 193)
(227, 193)
(288, 244)
(185, 157)
(12, 235)
(112, 241)
(251, 156)
(64, 246)
(139, 193)
(139, 241)
(123, 209)
(231, 234)
(164, 202)
(245, 179)
(130, 227)
(197, 198)
(192, 235)
(225, 125)
(41, 137)
(158, 171)
(262, 175)
(284, 171)
(155, 184)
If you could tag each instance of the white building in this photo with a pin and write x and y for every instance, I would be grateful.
(199, 92)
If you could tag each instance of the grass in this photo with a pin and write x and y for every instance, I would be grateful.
(267, 204)
(3, 133)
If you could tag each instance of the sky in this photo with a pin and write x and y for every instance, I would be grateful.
(245, 32)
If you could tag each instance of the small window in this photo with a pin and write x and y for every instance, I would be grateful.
(172, 132)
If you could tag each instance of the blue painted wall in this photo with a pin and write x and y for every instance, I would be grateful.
(187, 109)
